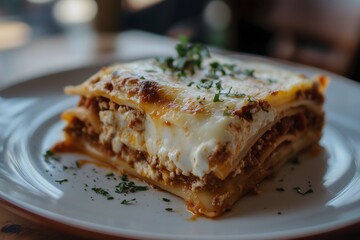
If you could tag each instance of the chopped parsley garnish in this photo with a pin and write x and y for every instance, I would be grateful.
(270, 80)
(166, 200)
(190, 83)
(249, 99)
(124, 178)
(217, 95)
(142, 77)
(103, 192)
(61, 181)
(128, 202)
(127, 186)
(50, 155)
(217, 69)
(218, 86)
(228, 93)
(249, 72)
(205, 83)
(109, 175)
(189, 58)
(236, 94)
(169, 209)
(299, 191)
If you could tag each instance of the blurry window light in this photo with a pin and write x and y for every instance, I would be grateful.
(70, 12)
(137, 5)
(39, 1)
(13, 34)
(217, 15)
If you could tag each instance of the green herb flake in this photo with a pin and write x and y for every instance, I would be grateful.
(169, 209)
(127, 186)
(110, 175)
(217, 69)
(270, 80)
(166, 200)
(217, 95)
(205, 83)
(124, 178)
(128, 202)
(61, 181)
(235, 94)
(103, 193)
(190, 84)
(249, 72)
(50, 155)
(218, 86)
(250, 100)
(142, 77)
(217, 98)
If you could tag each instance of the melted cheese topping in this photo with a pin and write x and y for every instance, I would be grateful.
(184, 126)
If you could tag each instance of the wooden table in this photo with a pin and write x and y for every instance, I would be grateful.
(70, 51)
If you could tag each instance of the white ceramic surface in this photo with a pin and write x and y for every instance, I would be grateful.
(29, 123)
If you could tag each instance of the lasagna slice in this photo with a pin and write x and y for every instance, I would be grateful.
(209, 134)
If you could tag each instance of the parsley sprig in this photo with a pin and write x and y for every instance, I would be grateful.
(189, 58)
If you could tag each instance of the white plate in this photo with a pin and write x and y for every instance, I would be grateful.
(29, 123)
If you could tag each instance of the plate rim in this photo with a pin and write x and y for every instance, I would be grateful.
(16, 208)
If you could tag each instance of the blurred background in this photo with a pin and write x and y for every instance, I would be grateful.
(40, 36)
